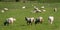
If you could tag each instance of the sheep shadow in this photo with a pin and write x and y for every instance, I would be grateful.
(23, 25)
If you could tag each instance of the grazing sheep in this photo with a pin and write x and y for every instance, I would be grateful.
(9, 21)
(39, 20)
(5, 9)
(29, 20)
(2, 11)
(36, 10)
(23, 7)
(51, 19)
(42, 7)
(35, 7)
(55, 9)
(44, 10)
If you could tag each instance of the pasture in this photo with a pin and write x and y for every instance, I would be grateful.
(15, 10)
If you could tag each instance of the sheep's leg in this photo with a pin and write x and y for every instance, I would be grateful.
(41, 22)
(5, 23)
(27, 23)
(31, 23)
(51, 22)
(35, 22)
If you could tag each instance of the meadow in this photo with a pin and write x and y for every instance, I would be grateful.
(15, 10)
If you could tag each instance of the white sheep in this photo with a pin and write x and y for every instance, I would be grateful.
(23, 7)
(43, 10)
(2, 11)
(39, 20)
(36, 10)
(55, 9)
(9, 21)
(51, 19)
(29, 20)
(42, 7)
(6, 9)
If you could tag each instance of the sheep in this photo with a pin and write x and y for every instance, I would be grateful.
(51, 19)
(55, 9)
(44, 10)
(23, 7)
(39, 20)
(35, 7)
(5, 9)
(36, 10)
(29, 20)
(2, 11)
(42, 7)
(9, 21)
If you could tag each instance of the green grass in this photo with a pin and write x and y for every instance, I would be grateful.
(16, 11)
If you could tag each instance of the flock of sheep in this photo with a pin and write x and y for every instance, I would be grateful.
(30, 20)
(3, 10)
(38, 20)
(36, 9)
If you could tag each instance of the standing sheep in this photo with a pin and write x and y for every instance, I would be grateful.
(42, 7)
(36, 10)
(55, 9)
(23, 7)
(5, 9)
(39, 20)
(51, 19)
(9, 21)
(2, 11)
(29, 20)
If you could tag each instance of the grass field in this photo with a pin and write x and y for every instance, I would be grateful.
(16, 11)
